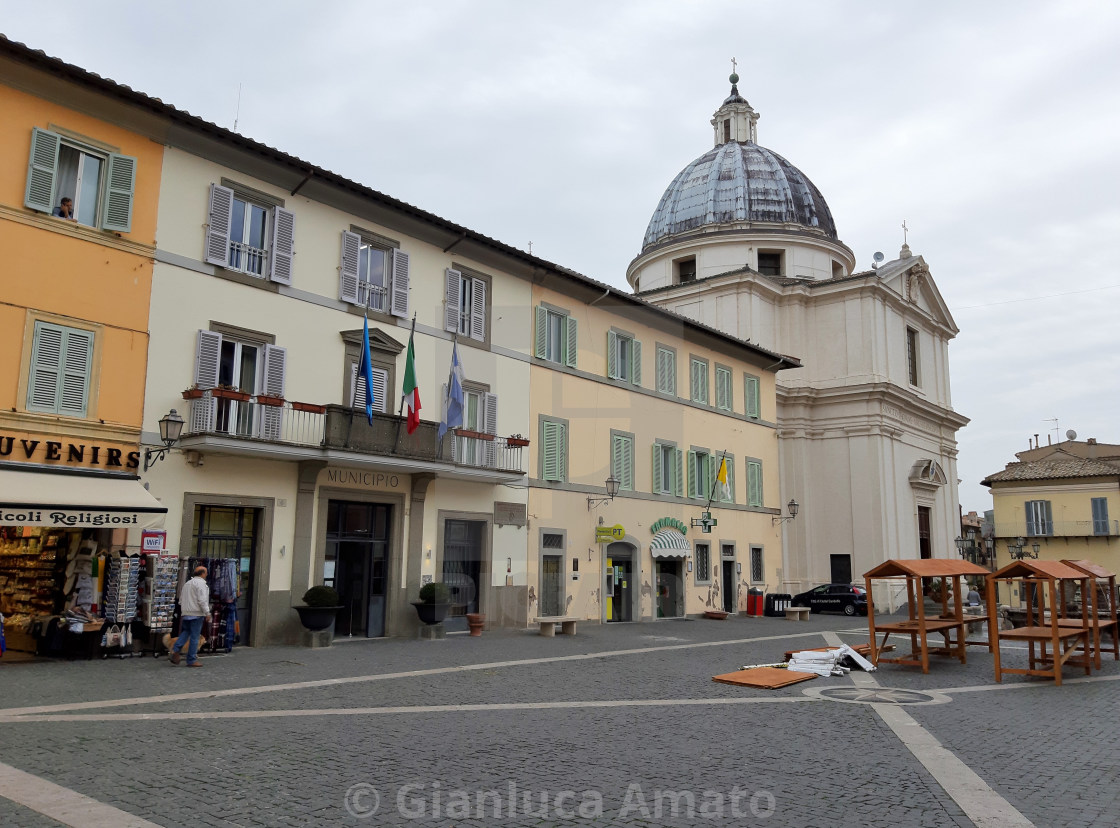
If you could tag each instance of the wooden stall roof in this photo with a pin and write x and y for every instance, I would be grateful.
(925, 568)
(1040, 569)
(1090, 568)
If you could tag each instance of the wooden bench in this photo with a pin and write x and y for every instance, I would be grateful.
(548, 624)
(797, 613)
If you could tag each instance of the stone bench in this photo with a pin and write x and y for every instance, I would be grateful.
(797, 613)
(548, 624)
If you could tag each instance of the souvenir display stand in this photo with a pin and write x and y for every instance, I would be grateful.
(949, 623)
(1050, 644)
(122, 577)
(1101, 606)
(158, 598)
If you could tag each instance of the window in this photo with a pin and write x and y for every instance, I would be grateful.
(700, 473)
(666, 370)
(61, 365)
(554, 450)
(465, 304)
(757, 574)
(698, 380)
(912, 357)
(726, 130)
(624, 358)
(98, 182)
(239, 361)
(770, 262)
(480, 413)
(622, 460)
(723, 388)
(1039, 520)
(1100, 516)
(754, 482)
(729, 463)
(686, 270)
(753, 398)
(555, 336)
(703, 554)
(668, 461)
(373, 272)
(251, 233)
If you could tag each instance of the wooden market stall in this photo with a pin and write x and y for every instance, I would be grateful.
(949, 623)
(1101, 606)
(1042, 583)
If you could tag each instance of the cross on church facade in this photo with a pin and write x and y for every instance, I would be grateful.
(904, 229)
(734, 64)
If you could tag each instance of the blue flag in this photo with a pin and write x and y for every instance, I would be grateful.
(365, 372)
(453, 405)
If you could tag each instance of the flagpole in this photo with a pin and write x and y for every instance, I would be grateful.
(354, 390)
(400, 412)
(450, 374)
(712, 491)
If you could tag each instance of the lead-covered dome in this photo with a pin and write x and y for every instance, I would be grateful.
(740, 183)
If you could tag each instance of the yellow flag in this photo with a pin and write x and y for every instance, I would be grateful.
(722, 478)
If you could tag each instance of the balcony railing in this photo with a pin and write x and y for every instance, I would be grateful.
(1059, 529)
(293, 423)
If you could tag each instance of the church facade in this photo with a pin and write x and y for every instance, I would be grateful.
(744, 242)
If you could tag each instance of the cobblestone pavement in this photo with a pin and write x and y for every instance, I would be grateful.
(620, 725)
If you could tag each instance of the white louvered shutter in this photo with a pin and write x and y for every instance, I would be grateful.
(218, 225)
(478, 310)
(348, 267)
(272, 384)
(357, 389)
(612, 355)
(635, 362)
(120, 183)
(283, 246)
(571, 343)
(77, 358)
(42, 171)
(656, 487)
(380, 389)
(46, 368)
(398, 292)
(207, 356)
(453, 285)
(540, 340)
(490, 426)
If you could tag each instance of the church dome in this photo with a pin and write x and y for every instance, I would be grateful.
(738, 182)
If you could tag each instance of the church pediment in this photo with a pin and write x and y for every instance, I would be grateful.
(927, 474)
(910, 278)
(378, 340)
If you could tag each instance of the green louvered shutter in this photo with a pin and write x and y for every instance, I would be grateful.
(656, 463)
(754, 483)
(540, 344)
(549, 451)
(61, 362)
(753, 402)
(42, 170)
(612, 355)
(692, 482)
(678, 472)
(571, 343)
(120, 184)
(723, 389)
(622, 461)
(635, 362)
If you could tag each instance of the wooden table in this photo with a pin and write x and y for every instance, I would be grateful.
(1066, 641)
(919, 630)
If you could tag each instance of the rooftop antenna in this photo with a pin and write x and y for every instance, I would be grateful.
(1054, 428)
(530, 248)
(1071, 435)
(878, 258)
(237, 114)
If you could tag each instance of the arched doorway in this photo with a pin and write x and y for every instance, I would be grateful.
(620, 585)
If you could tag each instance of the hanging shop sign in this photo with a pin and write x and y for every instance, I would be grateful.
(607, 534)
(668, 522)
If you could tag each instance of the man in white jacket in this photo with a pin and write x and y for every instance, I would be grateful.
(194, 603)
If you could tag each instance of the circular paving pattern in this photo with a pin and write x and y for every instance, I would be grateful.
(876, 695)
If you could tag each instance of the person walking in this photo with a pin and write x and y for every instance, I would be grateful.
(194, 604)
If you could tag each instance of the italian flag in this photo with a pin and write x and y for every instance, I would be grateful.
(411, 389)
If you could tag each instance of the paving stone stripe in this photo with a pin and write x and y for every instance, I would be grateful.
(62, 804)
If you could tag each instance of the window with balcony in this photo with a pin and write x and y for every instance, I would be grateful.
(97, 184)
(234, 365)
(373, 272)
(250, 232)
(1039, 518)
(480, 415)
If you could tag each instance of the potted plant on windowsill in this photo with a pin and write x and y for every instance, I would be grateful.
(434, 603)
(473, 435)
(193, 393)
(321, 604)
(227, 392)
(517, 440)
(310, 408)
(269, 399)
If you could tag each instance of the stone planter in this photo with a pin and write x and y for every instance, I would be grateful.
(431, 613)
(316, 619)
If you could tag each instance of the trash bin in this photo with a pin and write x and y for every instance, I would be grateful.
(754, 601)
(776, 603)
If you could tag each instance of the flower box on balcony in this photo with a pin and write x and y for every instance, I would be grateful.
(519, 442)
(193, 393)
(267, 399)
(310, 408)
(473, 435)
(230, 394)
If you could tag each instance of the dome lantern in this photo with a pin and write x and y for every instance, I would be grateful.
(735, 120)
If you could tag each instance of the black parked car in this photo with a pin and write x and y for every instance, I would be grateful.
(843, 598)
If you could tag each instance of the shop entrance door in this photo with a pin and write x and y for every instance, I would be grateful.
(670, 589)
(619, 587)
(462, 569)
(356, 565)
(230, 532)
(730, 594)
(552, 586)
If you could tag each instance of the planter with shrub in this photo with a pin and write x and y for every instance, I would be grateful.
(434, 603)
(321, 605)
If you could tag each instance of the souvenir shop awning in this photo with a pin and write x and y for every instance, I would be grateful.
(75, 501)
(669, 543)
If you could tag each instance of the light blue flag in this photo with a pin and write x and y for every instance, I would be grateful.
(365, 371)
(453, 405)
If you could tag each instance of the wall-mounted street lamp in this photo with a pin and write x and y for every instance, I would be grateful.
(170, 427)
(1019, 551)
(612, 490)
(973, 552)
(793, 508)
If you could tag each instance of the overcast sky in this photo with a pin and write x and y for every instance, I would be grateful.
(991, 127)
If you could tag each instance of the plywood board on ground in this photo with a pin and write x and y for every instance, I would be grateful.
(768, 678)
